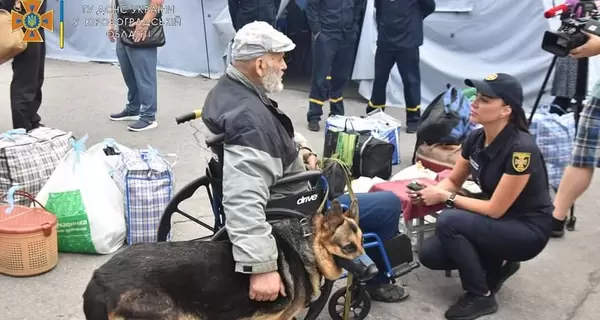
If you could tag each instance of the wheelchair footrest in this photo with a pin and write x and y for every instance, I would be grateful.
(399, 250)
(405, 268)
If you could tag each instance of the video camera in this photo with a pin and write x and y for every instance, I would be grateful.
(583, 16)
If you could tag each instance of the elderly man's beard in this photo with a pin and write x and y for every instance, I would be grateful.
(273, 81)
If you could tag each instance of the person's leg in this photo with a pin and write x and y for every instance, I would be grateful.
(384, 62)
(562, 102)
(578, 175)
(433, 256)
(323, 53)
(408, 61)
(465, 236)
(132, 108)
(144, 62)
(33, 115)
(379, 213)
(25, 85)
(341, 71)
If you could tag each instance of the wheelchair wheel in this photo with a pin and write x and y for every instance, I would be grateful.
(164, 227)
(359, 307)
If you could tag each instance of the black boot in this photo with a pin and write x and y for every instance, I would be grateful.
(471, 307)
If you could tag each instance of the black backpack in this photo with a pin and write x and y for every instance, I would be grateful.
(372, 157)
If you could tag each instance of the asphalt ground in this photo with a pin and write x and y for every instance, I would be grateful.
(561, 283)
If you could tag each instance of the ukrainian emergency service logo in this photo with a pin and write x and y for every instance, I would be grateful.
(521, 160)
(492, 77)
(32, 21)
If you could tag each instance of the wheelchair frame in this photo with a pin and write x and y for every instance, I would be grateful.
(359, 296)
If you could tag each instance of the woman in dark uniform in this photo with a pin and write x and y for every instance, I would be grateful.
(485, 239)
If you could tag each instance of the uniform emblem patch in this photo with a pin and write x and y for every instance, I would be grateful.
(521, 161)
(492, 77)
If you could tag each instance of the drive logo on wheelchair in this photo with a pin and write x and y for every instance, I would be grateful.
(307, 199)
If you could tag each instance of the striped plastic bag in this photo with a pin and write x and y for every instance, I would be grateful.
(145, 178)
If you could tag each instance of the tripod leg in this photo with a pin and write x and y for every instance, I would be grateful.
(542, 89)
(572, 219)
(580, 95)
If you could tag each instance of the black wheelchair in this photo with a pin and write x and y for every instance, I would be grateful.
(395, 254)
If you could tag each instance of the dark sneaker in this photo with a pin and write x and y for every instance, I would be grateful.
(142, 125)
(124, 116)
(411, 127)
(495, 282)
(471, 307)
(387, 293)
(558, 228)
(313, 125)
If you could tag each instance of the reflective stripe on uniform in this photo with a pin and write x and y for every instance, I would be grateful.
(319, 102)
(376, 105)
(414, 109)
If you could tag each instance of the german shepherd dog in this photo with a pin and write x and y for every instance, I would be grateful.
(196, 280)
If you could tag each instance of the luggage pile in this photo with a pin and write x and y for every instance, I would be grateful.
(368, 146)
(101, 198)
(554, 134)
(443, 127)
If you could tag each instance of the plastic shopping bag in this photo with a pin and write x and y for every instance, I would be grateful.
(86, 202)
(108, 153)
(145, 179)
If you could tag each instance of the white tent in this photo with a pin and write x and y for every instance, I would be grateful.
(463, 38)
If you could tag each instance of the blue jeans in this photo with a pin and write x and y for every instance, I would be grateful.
(379, 213)
(138, 66)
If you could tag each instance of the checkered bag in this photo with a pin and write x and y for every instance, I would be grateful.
(27, 159)
(145, 177)
(554, 135)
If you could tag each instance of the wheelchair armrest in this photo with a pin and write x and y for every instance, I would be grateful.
(307, 176)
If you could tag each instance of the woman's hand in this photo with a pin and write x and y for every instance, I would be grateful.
(430, 195)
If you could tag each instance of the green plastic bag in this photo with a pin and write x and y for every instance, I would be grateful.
(346, 145)
(74, 234)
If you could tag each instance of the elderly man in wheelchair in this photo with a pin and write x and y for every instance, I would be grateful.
(258, 164)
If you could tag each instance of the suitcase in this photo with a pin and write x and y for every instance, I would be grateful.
(437, 157)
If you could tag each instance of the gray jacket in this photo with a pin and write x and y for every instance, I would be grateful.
(259, 149)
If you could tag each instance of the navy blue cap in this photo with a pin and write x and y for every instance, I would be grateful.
(500, 85)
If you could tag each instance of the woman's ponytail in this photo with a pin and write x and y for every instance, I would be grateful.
(518, 119)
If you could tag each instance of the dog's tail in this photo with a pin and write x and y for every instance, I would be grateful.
(95, 305)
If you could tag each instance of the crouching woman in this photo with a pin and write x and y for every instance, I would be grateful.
(486, 239)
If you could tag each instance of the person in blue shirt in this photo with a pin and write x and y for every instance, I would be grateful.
(138, 66)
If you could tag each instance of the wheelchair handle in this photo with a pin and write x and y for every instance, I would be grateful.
(189, 116)
(214, 140)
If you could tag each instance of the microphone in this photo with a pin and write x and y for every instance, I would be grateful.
(556, 10)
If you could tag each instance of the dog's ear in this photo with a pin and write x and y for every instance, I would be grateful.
(335, 215)
(335, 208)
(352, 212)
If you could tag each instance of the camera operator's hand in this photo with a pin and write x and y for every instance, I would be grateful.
(589, 49)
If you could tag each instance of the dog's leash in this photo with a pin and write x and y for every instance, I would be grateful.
(354, 209)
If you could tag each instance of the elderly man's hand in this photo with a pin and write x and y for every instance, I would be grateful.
(589, 49)
(312, 163)
(309, 158)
